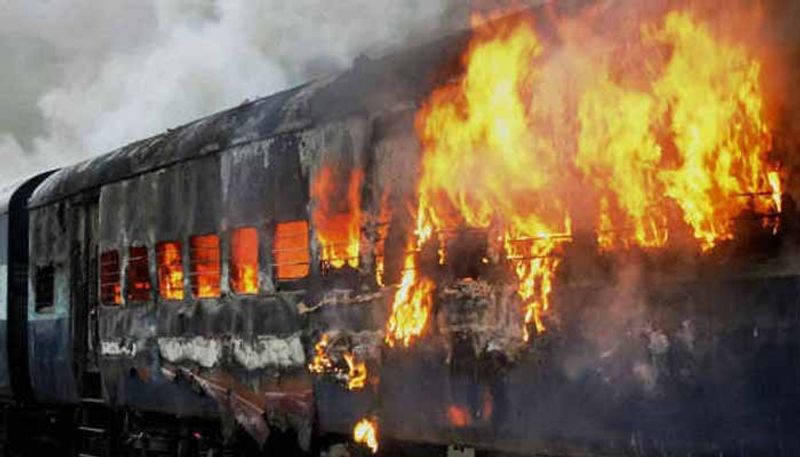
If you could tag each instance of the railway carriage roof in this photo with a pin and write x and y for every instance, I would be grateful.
(370, 86)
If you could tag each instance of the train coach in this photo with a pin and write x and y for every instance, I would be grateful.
(178, 296)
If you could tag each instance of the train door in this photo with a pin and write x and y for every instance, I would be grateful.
(85, 293)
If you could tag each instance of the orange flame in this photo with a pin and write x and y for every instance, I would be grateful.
(775, 185)
(170, 270)
(337, 221)
(244, 261)
(356, 373)
(507, 148)
(458, 416)
(713, 96)
(484, 167)
(366, 432)
(410, 307)
(321, 363)
(382, 232)
(205, 263)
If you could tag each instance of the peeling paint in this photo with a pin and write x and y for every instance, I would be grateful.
(269, 351)
(261, 351)
(119, 348)
(204, 351)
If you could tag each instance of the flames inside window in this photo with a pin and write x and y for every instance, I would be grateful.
(170, 270)
(205, 266)
(336, 196)
(110, 286)
(290, 250)
(138, 274)
(244, 261)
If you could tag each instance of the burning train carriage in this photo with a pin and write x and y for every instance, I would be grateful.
(181, 263)
(280, 263)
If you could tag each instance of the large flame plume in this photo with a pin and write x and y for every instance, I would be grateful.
(507, 149)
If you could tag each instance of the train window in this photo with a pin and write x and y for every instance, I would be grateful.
(290, 250)
(205, 266)
(45, 289)
(244, 261)
(138, 274)
(170, 270)
(110, 285)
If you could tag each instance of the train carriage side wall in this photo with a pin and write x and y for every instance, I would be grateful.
(53, 246)
(229, 338)
(5, 380)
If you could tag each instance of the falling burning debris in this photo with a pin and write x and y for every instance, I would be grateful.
(366, 432)
(337, 220)
(354, 376)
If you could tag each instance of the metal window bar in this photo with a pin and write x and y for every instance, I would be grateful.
(294, 244)
(110, 278)
(205, 270)
(138, 274)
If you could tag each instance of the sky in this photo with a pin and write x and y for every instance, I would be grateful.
(82, 77)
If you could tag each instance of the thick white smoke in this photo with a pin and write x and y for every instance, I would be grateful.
(82, 77)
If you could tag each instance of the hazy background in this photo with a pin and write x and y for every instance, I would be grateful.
(79, 78)
(82, 77)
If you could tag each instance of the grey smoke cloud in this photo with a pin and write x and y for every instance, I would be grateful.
(82, 77)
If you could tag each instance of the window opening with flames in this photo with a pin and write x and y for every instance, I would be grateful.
(244, 261)
(138, 274)
(205, 266)
(110, 280)
(170, 270)
(336, 202)
(290, 250)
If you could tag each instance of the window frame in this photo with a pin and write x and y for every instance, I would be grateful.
(116, 286)
(141, 266)
(276, 263)
(47, 271)
(233, 266)
(160, 266)
(193, 264)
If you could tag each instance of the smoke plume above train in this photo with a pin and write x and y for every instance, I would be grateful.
(81, 77)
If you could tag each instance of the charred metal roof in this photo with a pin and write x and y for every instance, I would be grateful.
(10, 191)
(7, 192)
(370, 86)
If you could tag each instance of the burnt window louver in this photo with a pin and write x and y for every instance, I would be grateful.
(45, 289)
(138, 274)
(169, 259)
(290, 250)
(205, 266)
(244, 261)
(110, 284)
